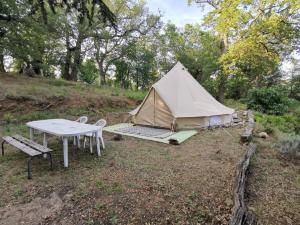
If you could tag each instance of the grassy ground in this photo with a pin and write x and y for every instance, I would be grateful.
(152, 183)
(274, 186)
(133, 182)
(274, 182)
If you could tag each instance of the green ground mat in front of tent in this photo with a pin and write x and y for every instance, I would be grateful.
(180, 136)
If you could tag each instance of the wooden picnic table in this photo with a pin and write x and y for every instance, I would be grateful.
(63, 128)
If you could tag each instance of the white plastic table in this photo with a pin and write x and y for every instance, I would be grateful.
(63, 128)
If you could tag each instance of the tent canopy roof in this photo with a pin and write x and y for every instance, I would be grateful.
(185, 97)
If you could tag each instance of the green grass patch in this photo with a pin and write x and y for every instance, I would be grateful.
(18, 192)
(78, 111)
(38, 115)
(297, 181)
(60, 82)
(287, 123)
(109, 189)
(135, 95)
(9, 118)
(235, 104)
(11, 129)
(100, 205)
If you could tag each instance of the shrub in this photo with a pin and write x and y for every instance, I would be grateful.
(287, 123)
(273, 100)
(88, 72)
(289, 146)
(269, 130)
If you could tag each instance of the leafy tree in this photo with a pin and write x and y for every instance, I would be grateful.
(31, 32)
(138, 66)
(134, 21)
(201, 52)
(25, 38)
(123, 73)
(196, 49)
(255, 35)
(237, 86)
(89, 9)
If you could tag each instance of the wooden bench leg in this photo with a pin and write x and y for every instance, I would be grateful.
(29, 168)
(2, 147)
(51, 163)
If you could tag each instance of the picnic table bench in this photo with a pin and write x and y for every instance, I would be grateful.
(27, 146)
(64, 129)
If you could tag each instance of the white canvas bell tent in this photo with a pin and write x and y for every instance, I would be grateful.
(178, 101)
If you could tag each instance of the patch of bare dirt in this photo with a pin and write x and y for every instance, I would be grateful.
(32, 213)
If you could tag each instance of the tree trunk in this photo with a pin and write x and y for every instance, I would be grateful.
(2, 68)
(221, 88)
(36, 66)
(66, 70)
(100, 61)
(77, 58)
(225, 43)
(102, 73)
(223, 78)
(102, 77)
(291, 86)
(137, 83)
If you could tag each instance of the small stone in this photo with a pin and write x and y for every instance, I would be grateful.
(235, 116)
(263, 135)
(68, 196)
(236, 120)
(117, 137)
(251, 208)
(228, 202)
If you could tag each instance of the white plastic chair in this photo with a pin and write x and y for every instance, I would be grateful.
(101, 123)
(82, 119)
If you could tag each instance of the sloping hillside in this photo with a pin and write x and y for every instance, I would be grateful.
(23, 98)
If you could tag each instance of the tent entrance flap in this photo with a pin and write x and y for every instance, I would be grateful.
(154, 112)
